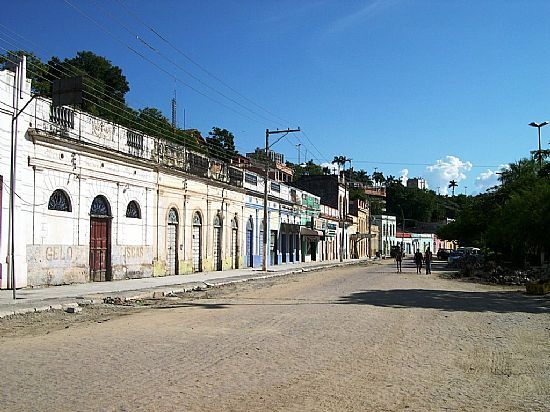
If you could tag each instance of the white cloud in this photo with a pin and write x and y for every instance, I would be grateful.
(443, 171)
(404, 176)
(488, 179)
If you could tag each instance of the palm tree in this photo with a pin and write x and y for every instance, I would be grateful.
(340, 161)
(452, 185)
(378, 177)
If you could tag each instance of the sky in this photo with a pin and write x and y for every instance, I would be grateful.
(434, 89)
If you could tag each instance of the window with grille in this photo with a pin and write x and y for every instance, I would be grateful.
(133, 211)
(134, 140)
(275, 187)
(59, 201)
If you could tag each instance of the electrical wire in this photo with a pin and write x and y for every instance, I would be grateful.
(190, 74)
(158, 66)
(108, 102)
(186, 56)
(154, 133)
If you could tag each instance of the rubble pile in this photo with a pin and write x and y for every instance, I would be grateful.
(490, 272)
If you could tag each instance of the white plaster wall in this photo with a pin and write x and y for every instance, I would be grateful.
(22, 198)
(189, 195)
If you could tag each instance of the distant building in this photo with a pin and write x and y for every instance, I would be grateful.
(416, 183)
(259, 154)
(255, 161)
(334, 194)
(388, 229)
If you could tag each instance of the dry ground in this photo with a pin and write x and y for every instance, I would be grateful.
(355, 338)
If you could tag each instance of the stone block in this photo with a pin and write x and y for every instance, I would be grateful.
(72, 309)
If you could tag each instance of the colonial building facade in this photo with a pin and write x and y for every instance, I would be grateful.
(87, 200)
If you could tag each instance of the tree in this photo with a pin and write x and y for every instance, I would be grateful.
(37, 71)
(378, 178)
(363, 177)
(221, 144)
(152, 122)
(340, 161)
(452, 185)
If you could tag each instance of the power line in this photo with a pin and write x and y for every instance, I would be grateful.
(185, 55)
(175, 78)
(110, 103)
(157, 51)
(158, 66)
(137, 123)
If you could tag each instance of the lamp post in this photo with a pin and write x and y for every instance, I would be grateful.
(538, 126)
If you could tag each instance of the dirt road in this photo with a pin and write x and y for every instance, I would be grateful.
(356, 338)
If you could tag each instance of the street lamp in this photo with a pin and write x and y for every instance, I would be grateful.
(538, 126)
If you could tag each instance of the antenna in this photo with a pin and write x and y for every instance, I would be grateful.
(174, 121)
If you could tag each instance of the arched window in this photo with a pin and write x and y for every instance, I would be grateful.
(217, 221)
(173, 217)
(59, 201)
(249, 224)
(197, 221)
(100, 207)
(234, 224)
(133, 211)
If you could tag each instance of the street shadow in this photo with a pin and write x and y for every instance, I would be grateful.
(446, 300)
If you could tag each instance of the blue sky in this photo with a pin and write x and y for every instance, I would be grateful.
(435, 89)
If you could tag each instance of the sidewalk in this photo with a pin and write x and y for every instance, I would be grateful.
(58, 297)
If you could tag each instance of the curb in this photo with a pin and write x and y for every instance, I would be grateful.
(165, 291)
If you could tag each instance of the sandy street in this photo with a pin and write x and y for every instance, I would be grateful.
(357, 338)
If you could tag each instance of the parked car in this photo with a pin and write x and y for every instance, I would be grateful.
(472, 254)
(454, 257)
(443, 254)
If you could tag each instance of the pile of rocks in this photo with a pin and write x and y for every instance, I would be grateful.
(492, 273)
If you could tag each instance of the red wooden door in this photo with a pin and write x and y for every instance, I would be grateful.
(100, 249)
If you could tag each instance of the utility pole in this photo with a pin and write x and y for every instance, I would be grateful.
(266, 175)
(298, 146)
(343, 213)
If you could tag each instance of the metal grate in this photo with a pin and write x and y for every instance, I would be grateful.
(134, 140)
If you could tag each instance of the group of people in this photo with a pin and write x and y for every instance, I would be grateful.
(419, 259)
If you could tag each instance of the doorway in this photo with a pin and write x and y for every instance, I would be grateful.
(100, 240)
(196, 243)
(172, 243)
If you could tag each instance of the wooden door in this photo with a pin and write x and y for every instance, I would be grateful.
(100, 249)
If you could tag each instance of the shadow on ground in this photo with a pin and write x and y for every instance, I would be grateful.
(446, 300)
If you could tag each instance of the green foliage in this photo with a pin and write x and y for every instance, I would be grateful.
(309, 169)
(221, 144)
(512, 220)
(36, 70)
(357, 194)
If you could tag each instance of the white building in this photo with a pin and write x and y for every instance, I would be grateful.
(95, 201)
(387, 233)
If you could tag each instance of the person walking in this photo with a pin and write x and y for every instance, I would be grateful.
(428, 261)
(418, 261)
(398, 259)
